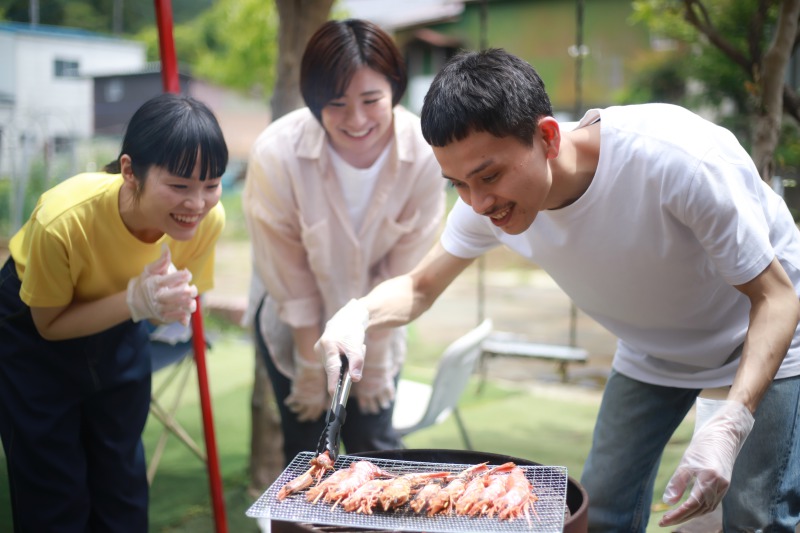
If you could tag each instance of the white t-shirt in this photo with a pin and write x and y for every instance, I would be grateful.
(675, 215)
(357, 183)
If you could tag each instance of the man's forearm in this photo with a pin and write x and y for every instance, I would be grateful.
(392, 303)
(398, 301)
(774, 312)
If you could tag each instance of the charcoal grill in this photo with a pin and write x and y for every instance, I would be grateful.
(555, 513)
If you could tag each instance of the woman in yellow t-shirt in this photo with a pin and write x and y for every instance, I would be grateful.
(101, 253)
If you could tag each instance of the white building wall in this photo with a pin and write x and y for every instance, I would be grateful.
(7, 72)
(63, 106)
(37, 107)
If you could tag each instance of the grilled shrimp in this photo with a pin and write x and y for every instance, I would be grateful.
(365, 498)
(399, 491)
(518, 499)
(423, 498)
(319, 465)
(495, 487)
(340, 488)
(318, 491)
(446, 498)
(473, 492)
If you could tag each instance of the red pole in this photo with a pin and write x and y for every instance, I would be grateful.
(214, 477)
(166, 47)
(171, 83)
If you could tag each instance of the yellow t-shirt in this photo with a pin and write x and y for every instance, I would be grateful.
(75, 246)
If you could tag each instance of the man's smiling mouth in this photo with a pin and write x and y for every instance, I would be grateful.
(498, 215)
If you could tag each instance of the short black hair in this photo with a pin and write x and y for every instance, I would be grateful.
(492, 91)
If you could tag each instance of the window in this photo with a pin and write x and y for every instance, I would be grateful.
(114, 90)
(63, 145)
(65, 68)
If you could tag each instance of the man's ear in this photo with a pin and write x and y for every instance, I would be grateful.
(551, 136)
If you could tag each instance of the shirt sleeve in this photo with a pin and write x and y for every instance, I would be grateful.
(722, 207)
(466, 234)
(279, 256)
(48, 279)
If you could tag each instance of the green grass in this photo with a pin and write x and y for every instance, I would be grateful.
(549, 425)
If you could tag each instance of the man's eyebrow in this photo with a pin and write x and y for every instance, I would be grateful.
(479, 168)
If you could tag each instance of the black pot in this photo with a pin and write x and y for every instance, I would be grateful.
(577, 499)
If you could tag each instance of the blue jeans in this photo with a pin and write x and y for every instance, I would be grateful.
(635, 422)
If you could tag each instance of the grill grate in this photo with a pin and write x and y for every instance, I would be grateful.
(549, 483)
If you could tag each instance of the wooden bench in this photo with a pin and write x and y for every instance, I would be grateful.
(504, 344)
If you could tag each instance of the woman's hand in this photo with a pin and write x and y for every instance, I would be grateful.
(309, 397)
(376, 389)
(162, 293)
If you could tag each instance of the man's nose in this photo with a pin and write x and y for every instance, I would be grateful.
(481, 201)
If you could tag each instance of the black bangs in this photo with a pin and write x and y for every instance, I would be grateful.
(194, 137)
(175, 132)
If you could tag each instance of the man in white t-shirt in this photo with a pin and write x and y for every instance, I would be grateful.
(656, 223)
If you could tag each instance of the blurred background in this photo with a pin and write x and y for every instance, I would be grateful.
(73, 71)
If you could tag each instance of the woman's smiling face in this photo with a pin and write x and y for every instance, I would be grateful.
(359, 124)
(179, 203)
(171, 204)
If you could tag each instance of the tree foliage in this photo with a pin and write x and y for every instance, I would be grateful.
(736, 53)
(233, 43)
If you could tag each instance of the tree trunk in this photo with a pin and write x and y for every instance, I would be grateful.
(299, 19)
(770, 79)
(266, 438)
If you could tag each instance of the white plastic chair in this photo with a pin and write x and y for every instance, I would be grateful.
(419, 405)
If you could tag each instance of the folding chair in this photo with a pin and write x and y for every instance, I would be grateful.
(418, 405)
(173, 353)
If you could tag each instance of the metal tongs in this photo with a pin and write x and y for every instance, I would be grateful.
(329, 440)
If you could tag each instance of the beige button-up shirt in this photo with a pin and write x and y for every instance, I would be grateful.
(308, 258)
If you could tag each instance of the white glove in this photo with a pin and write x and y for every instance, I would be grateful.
(376, 389)
(708, 459)
(162, 293)
(344, 333)
(309, 397)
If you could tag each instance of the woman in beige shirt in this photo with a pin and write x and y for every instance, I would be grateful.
(339, 196)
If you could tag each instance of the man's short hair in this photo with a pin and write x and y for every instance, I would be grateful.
(492, 91)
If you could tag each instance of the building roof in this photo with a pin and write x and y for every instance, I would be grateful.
(151, 67)
(57, 32)
(391, 14)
